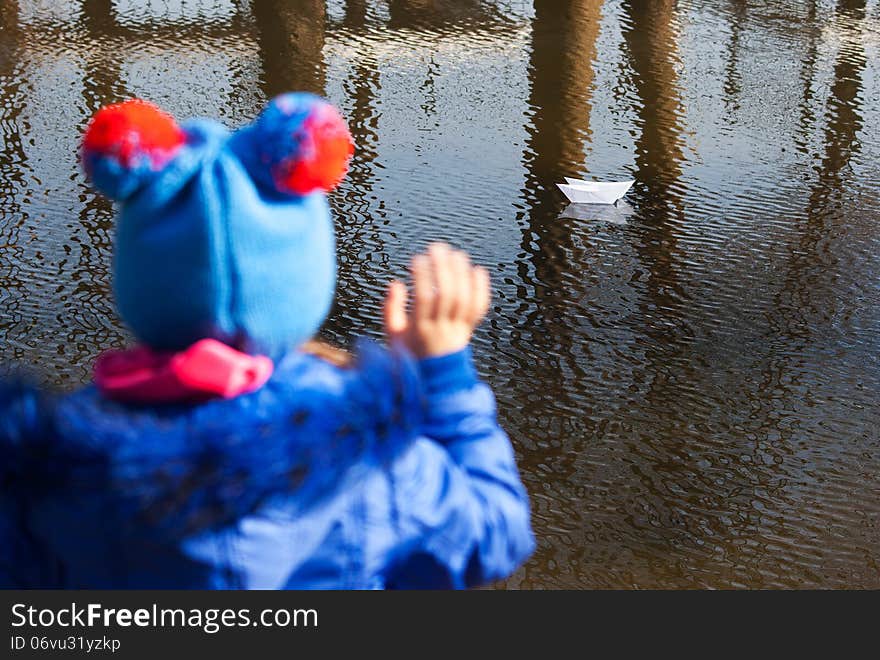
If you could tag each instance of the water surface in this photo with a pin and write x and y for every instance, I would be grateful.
(691, 380)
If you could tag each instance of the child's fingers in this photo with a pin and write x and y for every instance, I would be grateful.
(482, 294)
(396, 322)
(460, 266)
(423, 287)
(444, 279)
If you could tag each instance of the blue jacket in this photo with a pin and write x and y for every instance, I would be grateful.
(392, 474)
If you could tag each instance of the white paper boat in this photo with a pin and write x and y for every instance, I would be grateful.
(594, 192)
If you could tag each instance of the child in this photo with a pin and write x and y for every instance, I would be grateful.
(224, 452)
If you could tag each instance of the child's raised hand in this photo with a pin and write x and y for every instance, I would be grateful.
(450, 298)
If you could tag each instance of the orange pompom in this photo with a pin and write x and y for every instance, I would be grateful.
(322, 164)
(130, 129)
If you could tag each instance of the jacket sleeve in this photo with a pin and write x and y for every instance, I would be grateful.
(462, 511)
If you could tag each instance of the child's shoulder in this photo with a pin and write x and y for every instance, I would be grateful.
(373, 386)
(307, 400)
(319, 376)
(298, 434)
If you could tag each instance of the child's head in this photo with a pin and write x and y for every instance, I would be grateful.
(221, 234)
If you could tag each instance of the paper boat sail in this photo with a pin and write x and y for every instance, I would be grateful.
(594, 192)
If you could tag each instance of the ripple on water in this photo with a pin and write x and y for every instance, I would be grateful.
(691, 380)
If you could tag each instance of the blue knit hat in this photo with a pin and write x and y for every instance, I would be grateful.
(223, 235)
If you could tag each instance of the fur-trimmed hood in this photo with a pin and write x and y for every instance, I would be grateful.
(183, 469)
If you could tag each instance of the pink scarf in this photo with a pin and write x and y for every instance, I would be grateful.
(207, 369)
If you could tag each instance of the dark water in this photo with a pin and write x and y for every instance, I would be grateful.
(691, 380)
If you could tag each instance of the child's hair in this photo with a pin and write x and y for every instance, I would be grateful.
(329, 353)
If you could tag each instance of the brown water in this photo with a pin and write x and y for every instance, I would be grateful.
(691, 379)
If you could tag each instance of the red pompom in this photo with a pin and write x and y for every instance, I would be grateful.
(133, 128)
(324, 161)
